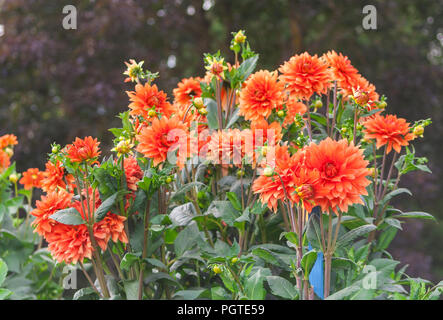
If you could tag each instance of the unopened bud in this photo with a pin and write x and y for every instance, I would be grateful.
(281, 113)
(240, 37)
(9, 151)
(216, 269)
(203, 111)
(268, 172)
(13, 178)
(198, 103)
(152, 113)
(419, 130)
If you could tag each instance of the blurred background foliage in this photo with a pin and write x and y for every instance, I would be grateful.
(57, 84)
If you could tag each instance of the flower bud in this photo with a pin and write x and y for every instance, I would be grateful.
(268, 172)
(203, 111)
(382, 105)
(240, 37)
(361, 98)
(418, 131)
(264, 151)
(152, 113)
(240, 173)
(198, 103)
(318, 104)
(55, 149)
(281, 113)
(13, 178)
(216, 269)
(234, 260)
(9, 151)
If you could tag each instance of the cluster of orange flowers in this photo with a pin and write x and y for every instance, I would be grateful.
(72, 243)
(331, 174)
(7, 143)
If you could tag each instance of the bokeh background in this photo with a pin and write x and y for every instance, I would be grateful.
(56, 84)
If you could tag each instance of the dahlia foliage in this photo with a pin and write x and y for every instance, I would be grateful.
(241, 183)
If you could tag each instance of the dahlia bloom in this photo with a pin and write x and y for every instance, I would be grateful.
(186, 90)
(146, 98)
(7, 140)
(228, 146)
(342, 69)
(163, 136)
(5, 161)
(388, 130)
(305, 75)
(270, 189)
(342, 169)
(83, 149)
(261, 94)
(32, 178)
(71, 243)
(54, 177)
(133, 173)
(294, 107)
(47, 206)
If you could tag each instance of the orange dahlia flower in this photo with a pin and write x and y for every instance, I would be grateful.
(342, 69)
(388, 130)
(294, 107)
(261, 94)
(32, 178)
(229, 146)
(5, 161)
(308, 187)
(186, 90)
(7, 140)
(133, 173)
(342, 169)
(305, 75)
(146, 98)
(261, 129)
(163, 136)
(69, 244)
(271, 189)
(47, 206)
(83, 149)
(54, 177)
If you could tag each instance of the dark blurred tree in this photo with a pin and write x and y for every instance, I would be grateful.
(56, 84)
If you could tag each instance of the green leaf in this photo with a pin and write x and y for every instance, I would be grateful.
(182, 215)
(4, 293)
(394, 223)
(128, 260)
(282, 288)
(219, 293)
(416, 214)
(354, 233)
(188, 294)
(131, 289)
(107, 205)
(211, 107)
(346, 292)
(247, 67)
(234, 200)
(394, 193)
(68, 216)
(186, 239)
(3, 271)
(187, 187)
(308, 261)
(254, 285)
(313, 232)
(234, 117)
